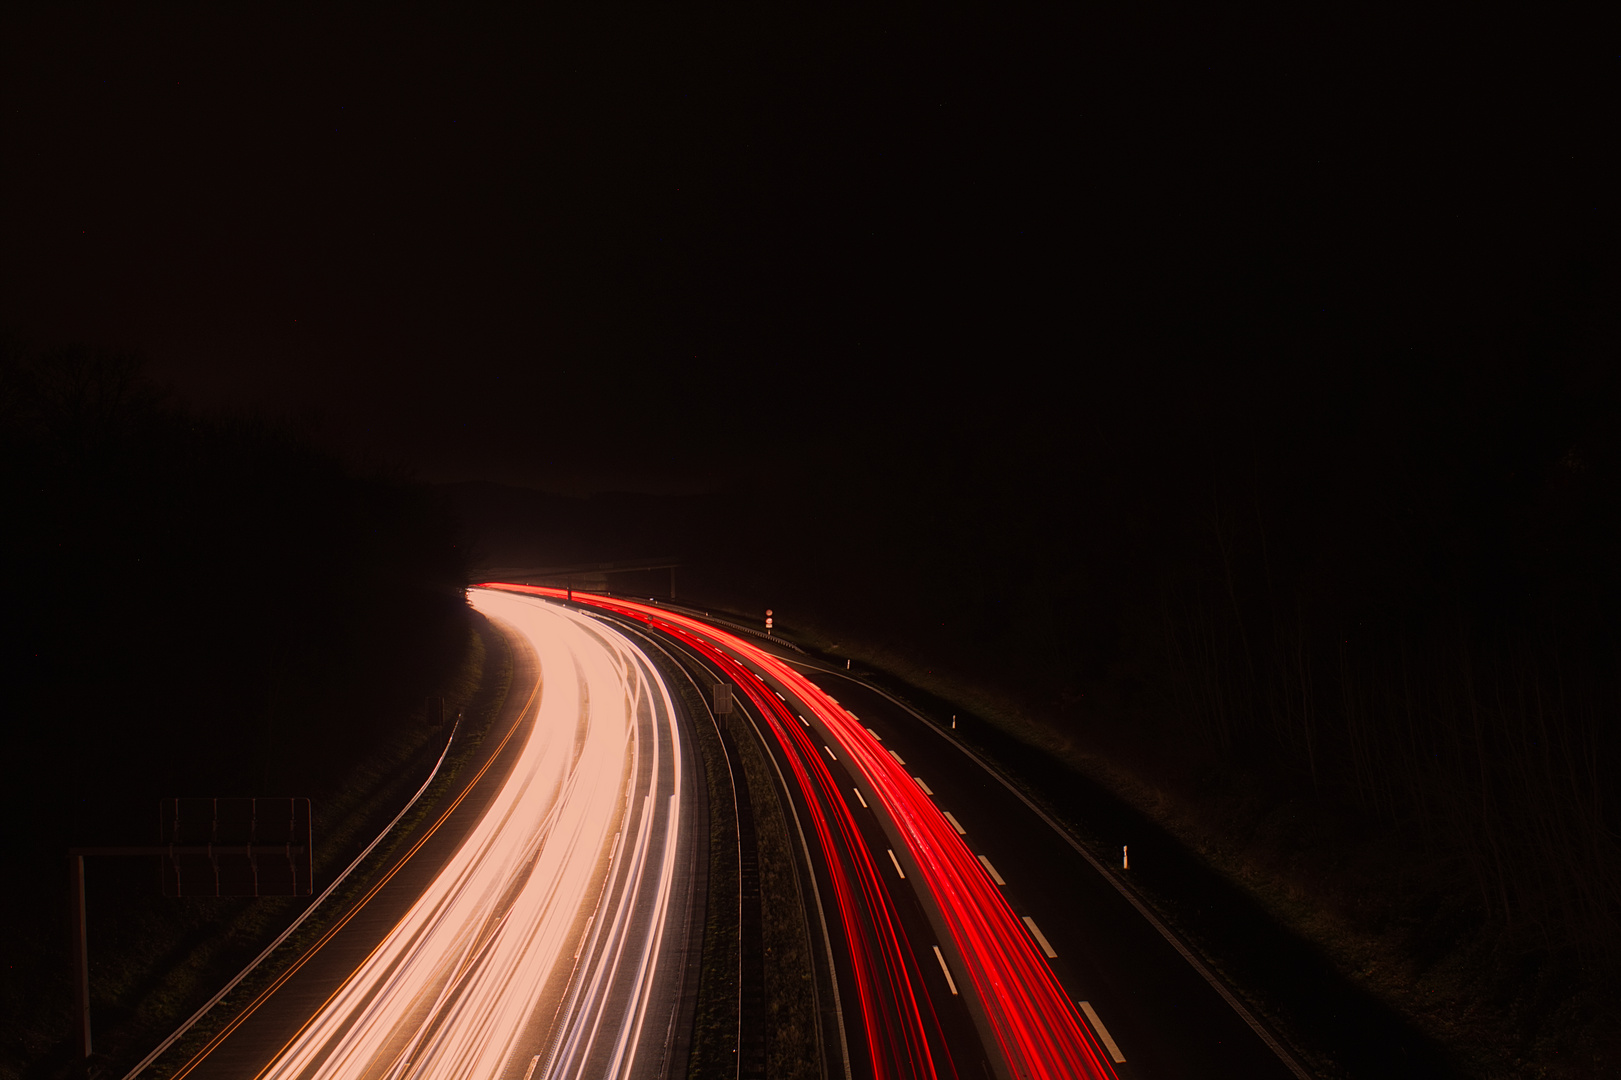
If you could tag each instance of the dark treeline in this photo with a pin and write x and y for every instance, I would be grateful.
(190, 607)
(1381, 581)
(1441, 656)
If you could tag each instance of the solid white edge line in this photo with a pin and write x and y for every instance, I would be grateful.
(947, 971)
(1103, 1032)
(991, 870)
(922, 785)
(1041, 939)
(955, 824)
(897, 863)
(1108, 875)
(864, 805)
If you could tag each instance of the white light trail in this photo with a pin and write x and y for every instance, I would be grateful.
(558, 896)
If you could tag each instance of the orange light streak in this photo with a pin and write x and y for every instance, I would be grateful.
(567, 873)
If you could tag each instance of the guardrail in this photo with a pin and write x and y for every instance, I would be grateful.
(285, 934)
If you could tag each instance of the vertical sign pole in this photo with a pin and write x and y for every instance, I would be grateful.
(81, 957)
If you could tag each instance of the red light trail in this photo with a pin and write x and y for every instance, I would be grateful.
(1029, 1021)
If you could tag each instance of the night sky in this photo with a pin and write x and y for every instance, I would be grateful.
(1204, 387)
(666, 251)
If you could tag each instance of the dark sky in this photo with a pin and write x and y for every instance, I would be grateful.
(660, 249)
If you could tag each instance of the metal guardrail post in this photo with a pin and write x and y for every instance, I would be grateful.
(81, 956)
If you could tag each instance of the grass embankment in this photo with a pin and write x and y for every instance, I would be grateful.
(1389, 914)
(790, 1013)
(714, 1031)
(159, 963)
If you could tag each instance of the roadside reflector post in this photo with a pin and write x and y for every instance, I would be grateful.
(768, 622)
(1125, 860)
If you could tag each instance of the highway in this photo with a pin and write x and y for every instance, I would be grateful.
(1163, 1015)
(976, 938)
(541, 926)
(942, 977)
(547, 924)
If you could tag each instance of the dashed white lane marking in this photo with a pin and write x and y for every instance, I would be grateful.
(536, 1061)
(897, 757)
(949, 980)
(780, 697)
(875, 735)
(955, 824)
(830, 752)
(1041, 939)
(898, 869)
(922, 785)
(1103, 1032)
(858, 795)
(991, 870)
(802, 720)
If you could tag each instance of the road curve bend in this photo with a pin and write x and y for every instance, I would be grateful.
(552, 940)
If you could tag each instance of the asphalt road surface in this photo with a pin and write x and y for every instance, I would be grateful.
(973, 937)
(540, 926)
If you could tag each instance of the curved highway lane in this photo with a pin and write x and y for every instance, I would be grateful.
(988, 955)
(552, 940)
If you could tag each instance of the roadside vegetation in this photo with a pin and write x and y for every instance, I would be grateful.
(791, 1038)
(1343, 621)
(380, 786)
(713, 1047)
(192, 607)
(1360, 655)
